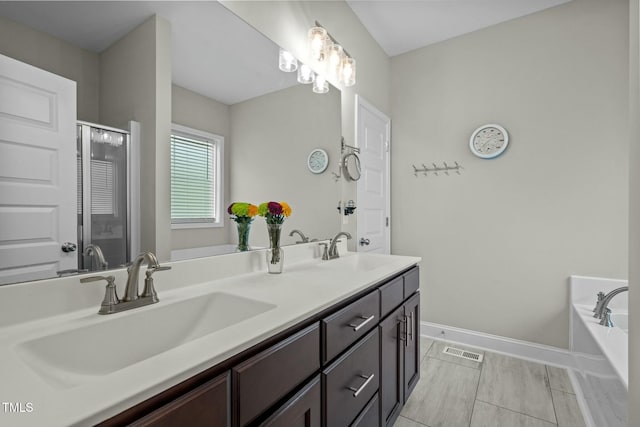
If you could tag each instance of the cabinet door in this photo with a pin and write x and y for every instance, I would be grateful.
(350, 382)
(302, 410)
(412, 345)
(205, 406)
(392, 336)
(264, 379)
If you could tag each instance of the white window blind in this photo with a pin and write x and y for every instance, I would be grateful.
(193, 179)
(102, 187)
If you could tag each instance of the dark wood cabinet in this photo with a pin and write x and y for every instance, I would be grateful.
(412, 344)
(391, 295)
(370, 416)
(205, 406)
(346, 326)
(392, 342)
(351, 381)
(302, 410)
(262, 380)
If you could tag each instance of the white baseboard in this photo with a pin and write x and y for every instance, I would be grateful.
(522, 349)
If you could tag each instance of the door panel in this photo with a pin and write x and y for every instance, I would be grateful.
(373, 186)
(37, 172)
(392, 366)
(412, 345)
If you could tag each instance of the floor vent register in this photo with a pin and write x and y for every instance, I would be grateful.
(463, 354)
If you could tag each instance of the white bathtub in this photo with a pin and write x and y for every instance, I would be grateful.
(600, 354)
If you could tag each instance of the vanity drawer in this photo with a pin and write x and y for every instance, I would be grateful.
(207, 405)
(411, 282)
(267, 377)
(351, 381)
(344, 327)
(370, 416)
(391, 296)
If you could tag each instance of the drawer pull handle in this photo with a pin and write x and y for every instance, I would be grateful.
(357, 391)
(366, 320)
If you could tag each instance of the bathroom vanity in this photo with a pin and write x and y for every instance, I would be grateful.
(326, 343)
(369, 341)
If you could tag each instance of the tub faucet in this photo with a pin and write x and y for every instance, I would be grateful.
(95, 252)
(304, 238)
(602, 311)
(332, 253)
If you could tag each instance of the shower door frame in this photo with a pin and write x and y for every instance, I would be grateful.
(84, 235)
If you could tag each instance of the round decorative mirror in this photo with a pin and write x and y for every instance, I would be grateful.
(351, 166)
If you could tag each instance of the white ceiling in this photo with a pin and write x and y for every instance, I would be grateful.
(403, 25)
(214, 52)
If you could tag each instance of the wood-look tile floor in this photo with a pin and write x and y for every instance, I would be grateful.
(500, 391)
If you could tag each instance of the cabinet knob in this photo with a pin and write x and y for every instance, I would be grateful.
(364, 242)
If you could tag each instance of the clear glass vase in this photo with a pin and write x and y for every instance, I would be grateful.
(275, 254)
(244, 226)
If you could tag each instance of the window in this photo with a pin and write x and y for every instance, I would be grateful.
(196, 178)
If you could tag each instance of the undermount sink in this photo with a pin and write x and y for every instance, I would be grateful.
(73, 357)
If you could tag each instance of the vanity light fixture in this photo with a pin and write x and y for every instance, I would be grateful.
(334, 59)
(327, 56)
(287, 62)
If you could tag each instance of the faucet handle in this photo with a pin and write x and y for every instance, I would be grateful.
(325, 251)
(599, 301)
(149, 290)
(110, 295)
(110, 279)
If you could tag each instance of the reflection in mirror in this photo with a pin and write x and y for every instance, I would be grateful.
(225, 82)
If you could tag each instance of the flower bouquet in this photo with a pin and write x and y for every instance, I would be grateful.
(274, 214)
(243, 213)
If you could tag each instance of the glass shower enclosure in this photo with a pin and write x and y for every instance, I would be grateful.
(104, 223)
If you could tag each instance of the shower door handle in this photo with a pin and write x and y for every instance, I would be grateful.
(69, 247)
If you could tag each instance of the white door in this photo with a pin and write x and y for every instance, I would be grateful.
(373, 207)
(37, 172)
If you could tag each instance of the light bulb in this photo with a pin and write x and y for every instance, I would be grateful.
(320, 85)
(287, 62)
(348, 71)
(317, 42)
(305, 75)
(335, 55)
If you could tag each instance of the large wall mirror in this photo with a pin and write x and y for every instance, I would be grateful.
(225, 82)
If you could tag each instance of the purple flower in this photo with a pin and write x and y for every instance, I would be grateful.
(229, 209)
(275, 208)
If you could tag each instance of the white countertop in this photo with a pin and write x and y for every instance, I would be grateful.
(306, 287)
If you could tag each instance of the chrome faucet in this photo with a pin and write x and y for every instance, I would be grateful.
(95, 252)
(602, 311)
(131, 290)
(131, 299)
(304, 238)
(332, 252)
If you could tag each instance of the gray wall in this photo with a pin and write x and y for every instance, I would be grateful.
(136, 85)
(199, 112)
(634, 214)
(272, 137)
(499, 242)
(56, 56)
